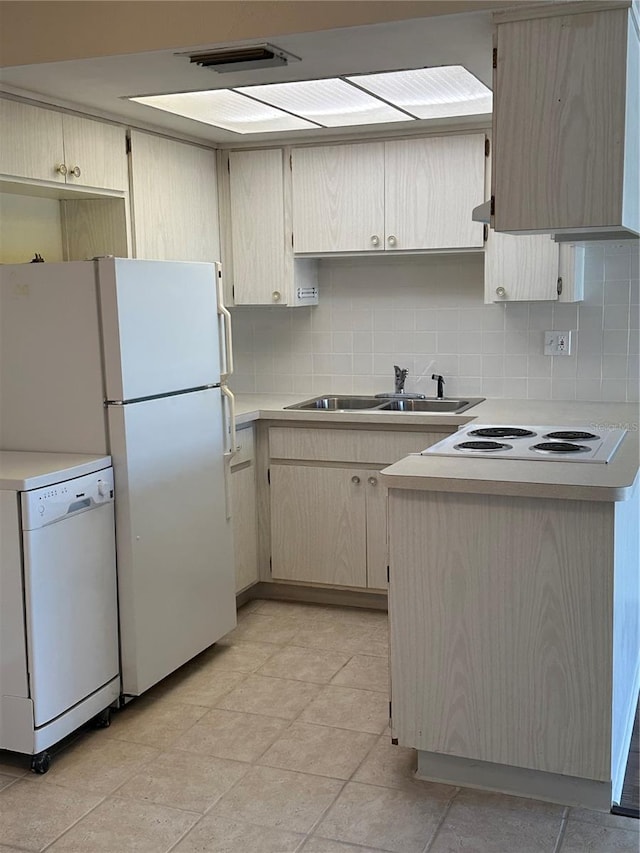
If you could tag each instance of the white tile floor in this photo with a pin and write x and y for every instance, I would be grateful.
(274, 741)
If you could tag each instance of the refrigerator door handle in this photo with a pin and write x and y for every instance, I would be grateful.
(229, 405)
(226, 323)
(230, 425)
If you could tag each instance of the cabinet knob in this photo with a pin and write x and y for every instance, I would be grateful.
(372, 481)
(355, 480)
(61, 169)
(75, 171)
(276, 296)
(501, 292)
(375, 240)
(392, 240)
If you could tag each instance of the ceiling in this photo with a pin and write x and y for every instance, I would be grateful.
(100, 84)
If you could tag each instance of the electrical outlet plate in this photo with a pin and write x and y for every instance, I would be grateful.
(557, 343)
(307, 295)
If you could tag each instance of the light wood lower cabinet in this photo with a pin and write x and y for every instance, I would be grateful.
(244, 511)
(328, 509)
(323, 526)
(515, 632)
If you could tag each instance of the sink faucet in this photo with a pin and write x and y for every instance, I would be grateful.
(400, 376)
(440, 380)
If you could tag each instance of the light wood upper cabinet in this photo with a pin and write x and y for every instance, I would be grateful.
(32, 145)
(566, 147)
(46, 145)
(95, 153)
(531, 268)
(431, 188)
(257, 225)
(338, 198)
(174, 200)
(264, 269)
(407, 195)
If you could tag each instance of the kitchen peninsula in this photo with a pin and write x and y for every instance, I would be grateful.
(514, 597)
(514, 610)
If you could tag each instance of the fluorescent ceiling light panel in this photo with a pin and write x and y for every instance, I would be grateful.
(331, 103)
(449, 90)
(225, 108)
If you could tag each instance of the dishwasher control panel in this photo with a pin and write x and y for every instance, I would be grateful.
(44, 506)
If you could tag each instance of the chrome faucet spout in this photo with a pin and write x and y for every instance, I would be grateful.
(440, 380)
(400, 377)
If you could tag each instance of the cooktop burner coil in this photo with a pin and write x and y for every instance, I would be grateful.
(560, 447)
(487, 446)
(502, 432)
(572, 435)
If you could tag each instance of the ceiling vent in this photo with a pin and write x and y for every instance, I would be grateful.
(243, 58)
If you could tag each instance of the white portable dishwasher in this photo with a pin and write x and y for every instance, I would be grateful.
(59, 662)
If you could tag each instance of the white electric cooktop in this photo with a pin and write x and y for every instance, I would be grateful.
(542, 443)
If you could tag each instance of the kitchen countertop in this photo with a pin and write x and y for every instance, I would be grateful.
(23, 470)
(565, 480)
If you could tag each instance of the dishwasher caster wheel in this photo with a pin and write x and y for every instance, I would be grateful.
(103, 719)
(41, 762)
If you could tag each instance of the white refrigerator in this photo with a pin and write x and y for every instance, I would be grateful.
(130, 357)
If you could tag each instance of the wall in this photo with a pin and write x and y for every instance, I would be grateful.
(427, 313)
(29, 225)
(55, 31)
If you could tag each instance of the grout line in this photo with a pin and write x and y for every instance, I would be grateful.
(443, 817)
(75, 823)
(561, 831)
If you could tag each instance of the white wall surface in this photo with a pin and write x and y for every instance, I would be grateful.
(426, 313)
(29, 225)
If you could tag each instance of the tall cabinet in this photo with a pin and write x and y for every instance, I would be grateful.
(174, 199)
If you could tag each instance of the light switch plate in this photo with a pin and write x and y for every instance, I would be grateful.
(557, 343)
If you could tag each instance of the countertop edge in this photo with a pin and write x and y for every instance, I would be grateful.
(519, 488)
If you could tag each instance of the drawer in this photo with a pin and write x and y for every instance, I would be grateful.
(378, 447)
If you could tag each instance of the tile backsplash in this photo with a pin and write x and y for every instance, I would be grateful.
(426, 313)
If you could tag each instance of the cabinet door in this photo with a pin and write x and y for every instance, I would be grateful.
(338, 198)
(175, 200)
(377, 552)
(318, 525)
(245, 526)
(565, 123)
(431, 188)
(521, 268)
(31, 142)
(257, 226)
(98, 150)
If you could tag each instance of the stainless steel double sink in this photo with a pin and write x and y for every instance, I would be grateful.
(328, 403)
